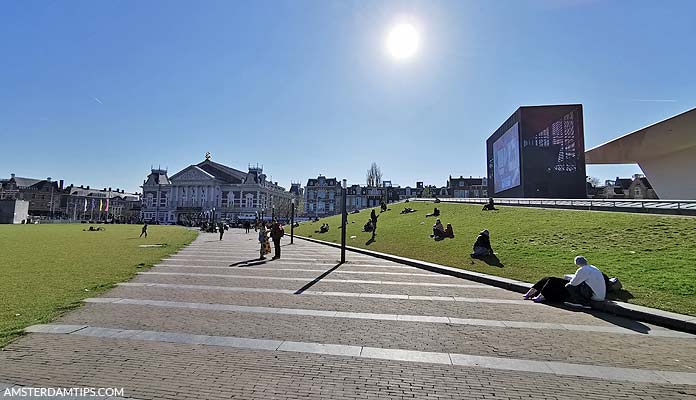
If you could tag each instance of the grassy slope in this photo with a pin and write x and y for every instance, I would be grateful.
(47, 269)
(654, 256)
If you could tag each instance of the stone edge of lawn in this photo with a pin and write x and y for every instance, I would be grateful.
(680, 322)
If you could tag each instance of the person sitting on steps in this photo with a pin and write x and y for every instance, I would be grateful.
(588, 283)
(482, 246)
(435, 213)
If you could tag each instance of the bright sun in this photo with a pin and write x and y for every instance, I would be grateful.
(403, 41)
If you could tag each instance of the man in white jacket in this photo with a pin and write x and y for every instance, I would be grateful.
(587, 283)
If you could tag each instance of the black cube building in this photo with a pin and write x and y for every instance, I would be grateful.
(538, 152)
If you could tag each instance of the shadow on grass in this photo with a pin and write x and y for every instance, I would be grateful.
(317, 279)
(621, 295)
(492, 260)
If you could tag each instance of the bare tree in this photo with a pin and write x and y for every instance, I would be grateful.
(374, 176)
(595, 182)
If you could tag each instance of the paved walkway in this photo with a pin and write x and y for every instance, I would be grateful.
(214, 322)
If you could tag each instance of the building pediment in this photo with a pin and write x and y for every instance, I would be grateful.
(192, 173)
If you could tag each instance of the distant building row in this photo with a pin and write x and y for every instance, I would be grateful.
(322, 194)
(51, 199)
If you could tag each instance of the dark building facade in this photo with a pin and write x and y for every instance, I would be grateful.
(538, 152)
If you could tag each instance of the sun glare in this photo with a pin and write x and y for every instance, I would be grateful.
(403, 41)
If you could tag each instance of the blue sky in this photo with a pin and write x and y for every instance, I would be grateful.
(97, 92)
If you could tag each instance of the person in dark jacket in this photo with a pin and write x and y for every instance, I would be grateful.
(221, 228)
(482, 246)
(144, 231)
(276, 234)
(435, 213)
(373, 218)
(490, 206)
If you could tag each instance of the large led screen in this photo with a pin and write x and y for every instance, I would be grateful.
(506, 160)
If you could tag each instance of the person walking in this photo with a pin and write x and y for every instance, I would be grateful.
(221, 228)
(277, 233)
(247, 225)
(144, 231)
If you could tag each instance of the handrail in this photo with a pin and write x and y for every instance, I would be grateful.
(624, 204)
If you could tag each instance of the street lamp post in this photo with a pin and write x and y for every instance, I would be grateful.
(292, 221)
(344, 221)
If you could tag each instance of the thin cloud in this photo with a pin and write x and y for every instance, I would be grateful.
(655, 100)
(97, 100)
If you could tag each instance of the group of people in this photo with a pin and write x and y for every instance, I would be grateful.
(267, 233)
(579, 289)
(440, 233)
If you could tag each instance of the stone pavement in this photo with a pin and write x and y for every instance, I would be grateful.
(214, 322)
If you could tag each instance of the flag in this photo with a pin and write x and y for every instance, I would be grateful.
(85, 210)
(100, 205)
(107, 205)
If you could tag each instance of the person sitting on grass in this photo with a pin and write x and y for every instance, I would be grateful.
(435, 213)
(588, 283)
(368, 226)
(490, 206)
(407, 210)
(383, 206)
(449, 232)
(324, 228)
(438, 231)
(482, 246)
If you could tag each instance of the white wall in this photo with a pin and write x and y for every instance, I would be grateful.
(672, 176)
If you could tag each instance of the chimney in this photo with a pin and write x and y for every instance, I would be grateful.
(12, 176)
(60, 184)
(109, 189)
(87, 187)
(48, 179)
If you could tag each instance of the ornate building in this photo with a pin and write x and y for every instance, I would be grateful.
(211, 191)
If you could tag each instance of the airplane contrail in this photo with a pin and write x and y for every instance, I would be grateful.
(98, 101)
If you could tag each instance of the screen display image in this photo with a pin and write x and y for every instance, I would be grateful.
(506, 160)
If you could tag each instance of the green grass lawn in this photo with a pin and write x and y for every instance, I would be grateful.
(653, 256)
(47, 269)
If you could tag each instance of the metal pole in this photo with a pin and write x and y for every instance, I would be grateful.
(344, 222)
(292, 222)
